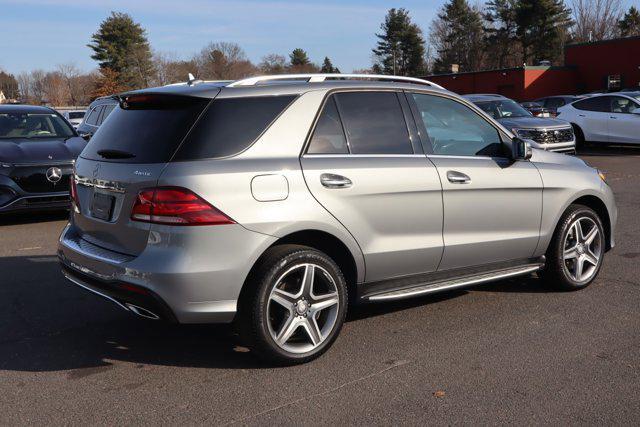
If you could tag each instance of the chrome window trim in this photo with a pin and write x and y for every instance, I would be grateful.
(363, 155)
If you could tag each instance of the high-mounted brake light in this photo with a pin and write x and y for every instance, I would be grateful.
(175, 206)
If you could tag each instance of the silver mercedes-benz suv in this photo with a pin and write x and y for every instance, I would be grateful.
(275, 202)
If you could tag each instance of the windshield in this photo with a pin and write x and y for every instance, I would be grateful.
(502, 109)
(33, 126)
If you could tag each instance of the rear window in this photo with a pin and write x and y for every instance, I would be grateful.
(231, 125)
(147, 130)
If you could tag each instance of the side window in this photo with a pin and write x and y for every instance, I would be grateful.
(454, 129)
(92, 119)
(374, 123)
(554, 103)
(622, 105)
(598, 103)
(328, 137)
(107, 110)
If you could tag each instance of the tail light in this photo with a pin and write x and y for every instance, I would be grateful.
(73, 194)
(175, 206)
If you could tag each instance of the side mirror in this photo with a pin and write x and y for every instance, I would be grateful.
(521, 149)
(636, 111)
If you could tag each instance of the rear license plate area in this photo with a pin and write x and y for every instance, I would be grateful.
(102, 206)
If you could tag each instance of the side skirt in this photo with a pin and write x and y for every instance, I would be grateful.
(439, 284)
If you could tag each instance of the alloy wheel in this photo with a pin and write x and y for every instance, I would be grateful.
(302, 308)
(582, 249)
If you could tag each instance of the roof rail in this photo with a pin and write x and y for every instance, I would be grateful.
(315, 78)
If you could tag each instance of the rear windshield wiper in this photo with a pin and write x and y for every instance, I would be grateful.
(115, 154)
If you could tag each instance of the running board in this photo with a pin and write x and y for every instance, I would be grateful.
(428, 288)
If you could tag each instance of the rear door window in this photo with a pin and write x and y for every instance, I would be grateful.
(374, 123)
(328, 136)
(107, 110)
(231, 125)
(147, 130)
(598, 103)
(94, 115)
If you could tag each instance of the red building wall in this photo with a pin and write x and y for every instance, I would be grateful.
(595, 61)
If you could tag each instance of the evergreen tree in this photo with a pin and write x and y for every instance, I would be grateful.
(541, 29)
(500, 33)
(121, 45)
(299, 58)
(457, 34)
(630, 23)
(400, 48)
(327, 67)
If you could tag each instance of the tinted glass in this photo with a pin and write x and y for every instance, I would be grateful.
(92, 119)
(148, 131)
(620, 104)
(454, 129)
(328, 137)
(374, 123)
(554, 102)
(76, 114)
(107, 110)
(33, 126)
(502, 109)
(599, 103)
(231, 125)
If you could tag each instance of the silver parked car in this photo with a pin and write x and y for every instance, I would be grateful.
(545, 133)
(276, 202)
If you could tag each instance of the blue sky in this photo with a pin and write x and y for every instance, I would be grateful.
(44, 33)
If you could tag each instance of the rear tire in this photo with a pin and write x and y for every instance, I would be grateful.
(576, 251)
(298, 307)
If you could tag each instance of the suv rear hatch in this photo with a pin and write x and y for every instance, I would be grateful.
(127, 154)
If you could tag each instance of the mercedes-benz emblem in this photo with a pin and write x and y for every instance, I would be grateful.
(54, 174)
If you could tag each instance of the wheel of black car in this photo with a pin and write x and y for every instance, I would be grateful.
(300, 305)
(577, 249)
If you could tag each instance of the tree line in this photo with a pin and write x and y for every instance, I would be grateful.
(462, 37)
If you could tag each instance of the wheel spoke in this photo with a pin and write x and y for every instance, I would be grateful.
(290, 325)
(591, 235)
(324, 301)
(283, 298)
(578, 232)
(579, 265)
(591, 258)
(311, 326)
(307, 280)
(570, 253)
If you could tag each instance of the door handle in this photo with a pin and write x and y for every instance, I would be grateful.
(330, 180)
(456, 177)
(613, 117)
(581, 115)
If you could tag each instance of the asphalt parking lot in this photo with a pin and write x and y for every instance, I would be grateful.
(508, 352)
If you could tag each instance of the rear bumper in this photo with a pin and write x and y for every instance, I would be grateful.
(190, 274)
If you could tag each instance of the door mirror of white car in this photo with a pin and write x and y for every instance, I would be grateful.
(636, 111)
(521, 149)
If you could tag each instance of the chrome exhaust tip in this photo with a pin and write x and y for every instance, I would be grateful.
(142, 312)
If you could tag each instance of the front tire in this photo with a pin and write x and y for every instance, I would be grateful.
(576, 251)
(299, 306)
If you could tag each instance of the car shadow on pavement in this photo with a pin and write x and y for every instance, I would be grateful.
(18, 218)
(48, 324)
(609, 150)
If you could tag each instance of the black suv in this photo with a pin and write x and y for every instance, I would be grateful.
(38, 148)
(97, 112)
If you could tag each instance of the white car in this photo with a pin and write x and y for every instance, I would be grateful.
(74, 117)
(612, 118)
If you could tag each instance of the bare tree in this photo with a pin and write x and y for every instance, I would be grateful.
(70, 74)
(223, 61)
(273, 64)
(596, 19)
(24, 86)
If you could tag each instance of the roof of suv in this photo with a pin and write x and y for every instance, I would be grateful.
(289, 85)
(23, 108)
(480, 97)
